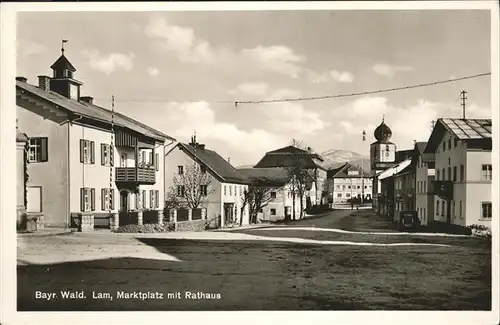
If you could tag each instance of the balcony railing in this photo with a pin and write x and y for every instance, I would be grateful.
(141, 175)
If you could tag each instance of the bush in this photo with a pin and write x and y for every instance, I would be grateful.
(148, 228)
(480, 231)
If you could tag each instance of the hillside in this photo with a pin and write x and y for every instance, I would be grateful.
(336, 157)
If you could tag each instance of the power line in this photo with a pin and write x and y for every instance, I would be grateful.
(239, 102)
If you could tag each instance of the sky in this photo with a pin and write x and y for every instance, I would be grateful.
(181, 72)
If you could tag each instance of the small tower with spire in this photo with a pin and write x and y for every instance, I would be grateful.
(62, 81)
(382, 151)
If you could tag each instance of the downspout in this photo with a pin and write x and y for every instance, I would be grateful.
(164, 165)
(68, 218)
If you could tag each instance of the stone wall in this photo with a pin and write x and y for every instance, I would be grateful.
(86, 222)
(193, 225)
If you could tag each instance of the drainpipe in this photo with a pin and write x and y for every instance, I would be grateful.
(164, 183)
(68, 218)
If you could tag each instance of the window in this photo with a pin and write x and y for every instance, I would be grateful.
(437, 207)
(462, 173)
(37, 151)
(87, 154)
(152, 197)
(486, 210)
(486, 173)
(359, 187)
(225, 191)
(349, 186)
(343, 187)
(180, 190)
(138, 201)
(444, 146)
(157, 162)
(87, 199)
(107, 199)
(444, 174)
(157, 198)
(437, 175)
(273, 195)
(442, 208)
(348, 195)
(230, 190)
(180, 170)
(106, 154)
(449, 144)
(454, 173)
(449, 173)
(339, 195)
(203, 190)
(203, 169)
(423, 215)
(273, 212)
(456, 142)
(461, 210)
(453, 209)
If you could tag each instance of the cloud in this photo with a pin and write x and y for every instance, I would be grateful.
(344, 76)
(389, 70)
(182, 42)
(110, 63)
(259, 89)
(26, 48)
(152, 71)
(226, 138)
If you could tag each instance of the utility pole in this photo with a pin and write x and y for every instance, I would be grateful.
(362, 167)
(463, 97)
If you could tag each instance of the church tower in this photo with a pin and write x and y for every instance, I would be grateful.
(62, 81)
(382, 151)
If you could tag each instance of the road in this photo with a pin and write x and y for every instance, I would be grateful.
(266, 274)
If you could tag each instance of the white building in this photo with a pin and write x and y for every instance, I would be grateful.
(424, 178)
(346, 182)
(224, 194)
(462, 149)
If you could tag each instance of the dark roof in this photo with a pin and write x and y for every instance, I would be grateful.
(63, 63)
(476, 132)
(288, 156)
(266, 176)
(343, 172)
(220, 167)
(332, 171)
(93, 111)
(402, 155)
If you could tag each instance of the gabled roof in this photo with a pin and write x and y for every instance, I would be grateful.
(63, 63)
(220, 167)
(408, 169)
(420, 151)
(276, 176)
(343, 172)
(288, 156)
(476, 132)
(332, 171)
(402, 155)
(389, 172)
(92, 111)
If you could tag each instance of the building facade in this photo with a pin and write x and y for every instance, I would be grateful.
(463, 171)
(386, 189)
(346, 182)
(290, 156)
(404, 191)
(83, 160)
(424, 177)
(223, 194)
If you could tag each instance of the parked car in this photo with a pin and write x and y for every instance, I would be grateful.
(408, 221)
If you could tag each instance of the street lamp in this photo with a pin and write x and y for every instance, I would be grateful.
(362, 168)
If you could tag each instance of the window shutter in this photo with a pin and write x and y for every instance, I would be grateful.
(92, 152)
(92, 199)
(112, 198)
(82, 199)
(103, 199)
(111, 155)
(103, 149)
(151, 157)
(157, 163)
(43, 149)
(151, 196)
(137, 197)
(82, 145)
(157, 198)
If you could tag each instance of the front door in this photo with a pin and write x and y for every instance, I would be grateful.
(228, 213)
(124, 201)
(123, 160)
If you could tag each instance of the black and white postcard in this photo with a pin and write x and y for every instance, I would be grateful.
(290, 161)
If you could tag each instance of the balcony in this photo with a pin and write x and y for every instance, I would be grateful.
(443, 189)
(139, 175)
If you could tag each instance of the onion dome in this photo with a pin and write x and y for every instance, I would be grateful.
(382, 133)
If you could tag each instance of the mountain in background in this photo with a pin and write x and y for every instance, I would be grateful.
(336, 157)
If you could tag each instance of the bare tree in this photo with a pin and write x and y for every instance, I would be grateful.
(257, 196)
(193, 186)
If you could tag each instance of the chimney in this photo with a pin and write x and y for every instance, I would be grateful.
(201, 146)
(22, 79)
(87, 99)
(228, 159)
(44, 83)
